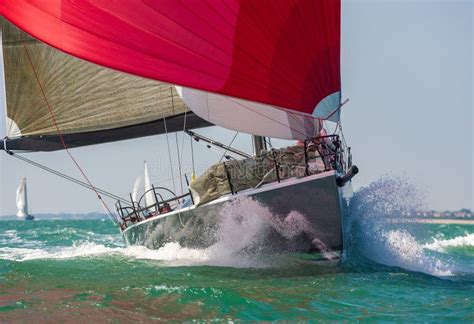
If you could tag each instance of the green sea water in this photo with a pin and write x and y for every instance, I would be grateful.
(81, 270)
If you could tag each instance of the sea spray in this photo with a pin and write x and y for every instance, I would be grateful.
(242, 240)
(369, 233)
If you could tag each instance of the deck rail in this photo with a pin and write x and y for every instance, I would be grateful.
(140, 210)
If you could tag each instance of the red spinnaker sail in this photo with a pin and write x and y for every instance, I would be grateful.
(277, 52)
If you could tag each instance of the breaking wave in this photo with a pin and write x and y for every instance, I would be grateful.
(372, 235)
(444, 245)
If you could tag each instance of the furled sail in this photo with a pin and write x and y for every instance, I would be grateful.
(21, 199)
(91, 104)
(280, 56)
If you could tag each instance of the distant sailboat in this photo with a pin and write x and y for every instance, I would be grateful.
(22, 201)
(150, 198)
(136, 189)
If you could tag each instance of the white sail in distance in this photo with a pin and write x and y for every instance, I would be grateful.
(150, 198)
(21, 199)
(136, 189)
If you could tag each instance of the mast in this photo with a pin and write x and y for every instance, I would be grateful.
(259, 144)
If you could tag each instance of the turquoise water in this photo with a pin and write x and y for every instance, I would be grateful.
(72, 270)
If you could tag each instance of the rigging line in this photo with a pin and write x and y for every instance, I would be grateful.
(177, 148)
(268, 117)
(66, 177)
(111, 216)
(192, 156)
(342, 133)
(182, 139)
(237, 133)
(169, 153)
(268, 141)
(179, 162)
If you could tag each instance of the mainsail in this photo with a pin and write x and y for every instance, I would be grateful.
(21, 199)
(280, 58)
(91, 104)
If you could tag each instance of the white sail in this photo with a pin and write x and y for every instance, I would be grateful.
(250, 117)
(149, 195)
(136, 189)
(21, 199)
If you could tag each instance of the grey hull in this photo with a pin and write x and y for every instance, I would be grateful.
(303, 215)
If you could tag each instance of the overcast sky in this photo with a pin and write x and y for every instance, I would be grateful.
(407, 68)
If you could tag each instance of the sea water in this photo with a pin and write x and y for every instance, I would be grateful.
(391, 270)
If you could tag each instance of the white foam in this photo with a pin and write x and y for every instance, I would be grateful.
(401, 249)
(369, 230)
(242, 233)
(75, 251)
(441, 245)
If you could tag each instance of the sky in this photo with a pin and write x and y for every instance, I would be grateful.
(407, 70)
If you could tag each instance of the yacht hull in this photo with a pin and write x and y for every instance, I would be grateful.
(298, 215)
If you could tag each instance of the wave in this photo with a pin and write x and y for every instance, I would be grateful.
(370, 235)
(443, 245)
(241, 239)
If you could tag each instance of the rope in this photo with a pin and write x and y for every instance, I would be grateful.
(109, 213)
(169, 153)
(268, 141)
(179, 162)
(177, 147)
(64, 176)
(182, 139)
(192, 155)
(230, 144)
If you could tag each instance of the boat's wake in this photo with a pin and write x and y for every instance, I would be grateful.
(242, 241)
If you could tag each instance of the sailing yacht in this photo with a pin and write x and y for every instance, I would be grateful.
(269, 70)
(22, 201)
